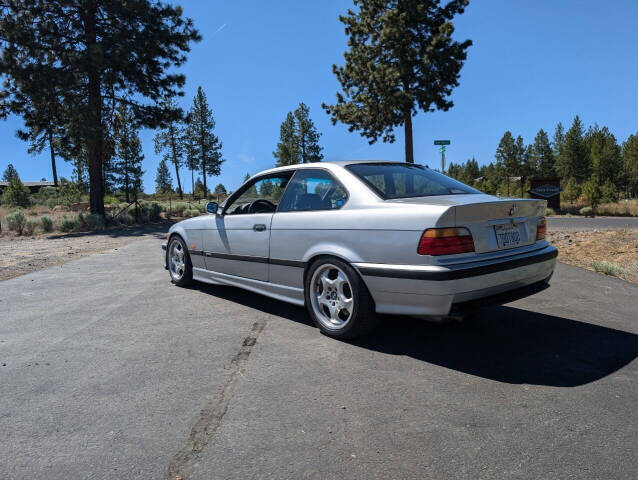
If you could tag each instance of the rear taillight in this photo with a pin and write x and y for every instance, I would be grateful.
(445, 241)
(541, 229)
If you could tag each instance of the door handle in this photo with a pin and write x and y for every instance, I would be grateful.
(259, 227)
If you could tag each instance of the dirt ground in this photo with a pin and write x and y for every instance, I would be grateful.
(582, 248)
(21, 255)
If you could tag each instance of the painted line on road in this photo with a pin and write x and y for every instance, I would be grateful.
(213, 411)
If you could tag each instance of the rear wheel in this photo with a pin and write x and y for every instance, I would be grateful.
(179, 262)
(337, 299)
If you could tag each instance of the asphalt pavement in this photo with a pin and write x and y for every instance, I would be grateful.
(593, 223)
(110, 371)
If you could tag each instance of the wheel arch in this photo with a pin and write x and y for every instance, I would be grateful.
(318, 256)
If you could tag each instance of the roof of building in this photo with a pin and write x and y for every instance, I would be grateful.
(32, 184)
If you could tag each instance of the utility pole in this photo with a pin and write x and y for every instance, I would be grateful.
(442, 144)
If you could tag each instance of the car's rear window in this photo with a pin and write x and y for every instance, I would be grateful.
(405, 180)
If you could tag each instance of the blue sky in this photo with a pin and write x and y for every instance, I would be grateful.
(533, 63)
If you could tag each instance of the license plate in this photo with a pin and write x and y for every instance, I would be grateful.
(507, 236)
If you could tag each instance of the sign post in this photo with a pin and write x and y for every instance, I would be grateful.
(442, 144)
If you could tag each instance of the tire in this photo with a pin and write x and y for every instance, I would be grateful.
(181, 271)
(338, 301)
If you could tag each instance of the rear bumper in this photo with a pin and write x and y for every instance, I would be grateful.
(432, 290)
(164, 247)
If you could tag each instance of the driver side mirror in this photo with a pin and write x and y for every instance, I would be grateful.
(212, 207)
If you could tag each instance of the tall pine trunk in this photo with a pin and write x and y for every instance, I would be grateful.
(409, 148)
(179, 183)
(94, 142)
(192, 182)
(52, 150)
(127, 187)
(204, 175)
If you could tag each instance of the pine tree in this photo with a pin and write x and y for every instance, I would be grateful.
(220, 190)
(609, 192)
(558, 142)
(97, 51)
(592, 191)
(521, 163)
(163, 180)
(572, 159)
(307, 136)
(401, 58)
(508, 155)
(630, 164)
(605, 159)
(207, 148)
(10, 173)
(170, 140)
(287, 152)
(128, 165)
(191, 161)
(572, 190)
(16, 193)
(542, 155)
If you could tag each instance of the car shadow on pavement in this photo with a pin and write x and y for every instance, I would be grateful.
(503, 343)
(511, 345)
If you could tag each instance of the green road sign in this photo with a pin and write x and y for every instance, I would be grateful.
(441, 142)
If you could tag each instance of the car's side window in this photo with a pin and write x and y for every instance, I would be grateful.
(313, 189)
(261, 196)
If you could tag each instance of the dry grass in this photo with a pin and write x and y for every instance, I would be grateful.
(624, 208)
(612, 252)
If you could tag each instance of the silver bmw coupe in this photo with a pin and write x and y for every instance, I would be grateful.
(350, 240)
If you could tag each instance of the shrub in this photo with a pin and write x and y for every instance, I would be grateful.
(46, 223)
(141, 214)
(30, 226)
(67, 224)
(16, 194)
(89, 221)
(154, 211)
(177, 209)
(68, 192)
(586, 211)
(608, 268)
(111, 200)
(16, 221)
(549, 212)
(126, 218)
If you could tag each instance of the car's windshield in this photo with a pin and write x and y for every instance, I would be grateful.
(404, 180)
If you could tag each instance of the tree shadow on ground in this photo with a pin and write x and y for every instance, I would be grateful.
(503, 343)
(157, 229)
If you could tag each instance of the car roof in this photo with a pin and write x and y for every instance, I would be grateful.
(340, 163)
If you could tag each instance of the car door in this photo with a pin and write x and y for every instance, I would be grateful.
(239, 242)
(308, 215)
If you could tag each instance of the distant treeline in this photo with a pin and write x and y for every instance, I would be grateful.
(590, 159)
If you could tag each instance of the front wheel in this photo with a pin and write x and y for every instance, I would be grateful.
(179, 262)
(337, 299)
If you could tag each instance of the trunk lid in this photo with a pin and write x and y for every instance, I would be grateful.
(495, 223)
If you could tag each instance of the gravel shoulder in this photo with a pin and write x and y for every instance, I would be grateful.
(584, 248)
(21, 255)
